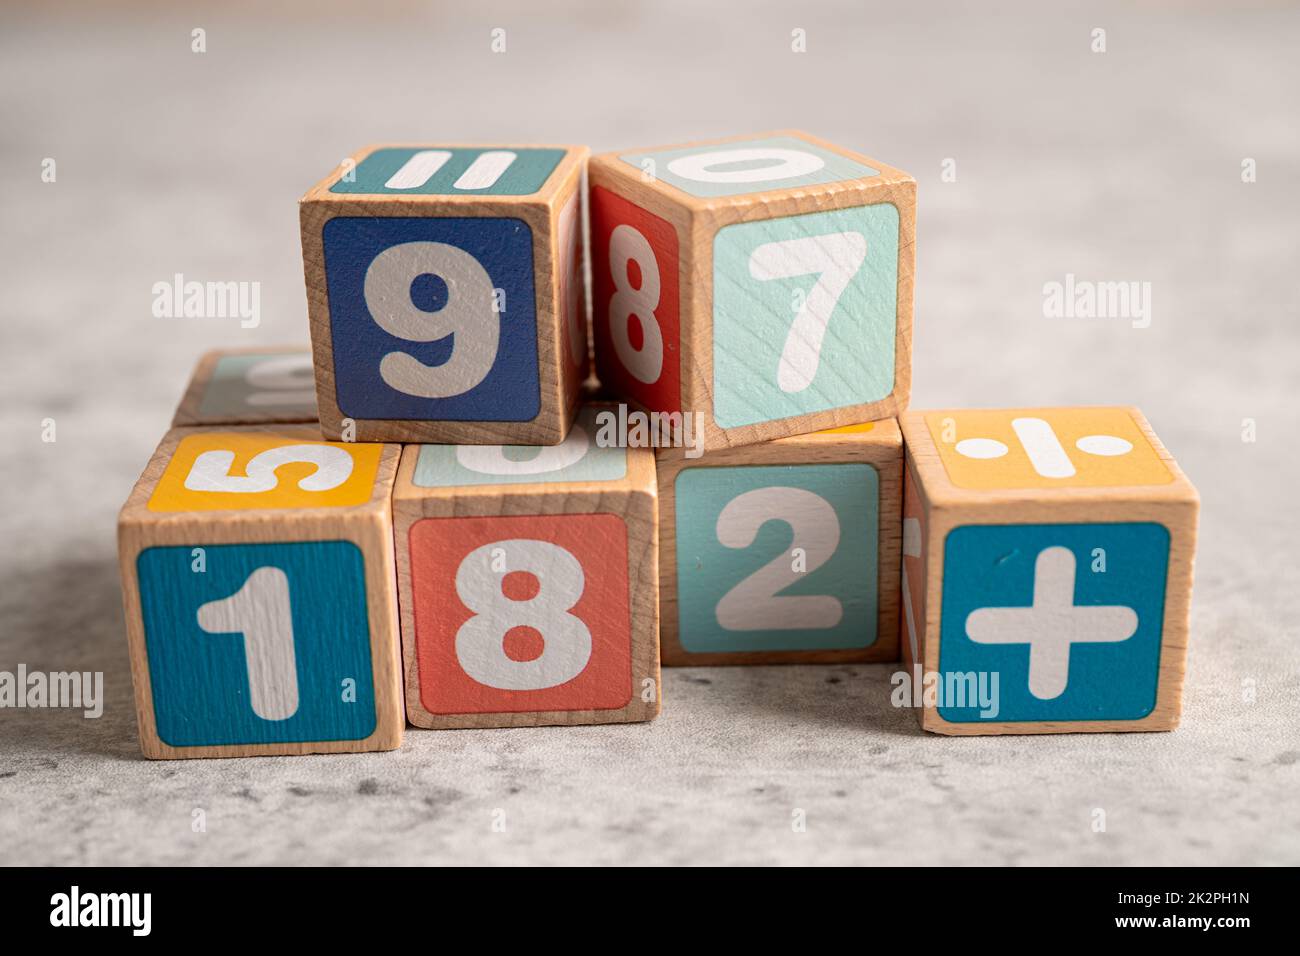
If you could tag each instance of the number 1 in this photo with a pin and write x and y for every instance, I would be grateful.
(261, 613)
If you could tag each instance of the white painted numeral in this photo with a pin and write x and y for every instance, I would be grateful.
(211, 469)
(284, 380)
(779, 164)
(486, 169)
(480, 642)
(835, 259)
(626, 245)
(492, 460)
(419, 169)
(755, 604)
(469, 315)
(260, 611)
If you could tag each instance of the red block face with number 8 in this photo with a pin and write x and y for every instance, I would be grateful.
(522, 614)
(634, 272)
(528, 582)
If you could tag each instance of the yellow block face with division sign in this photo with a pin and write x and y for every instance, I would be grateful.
(1045, 448)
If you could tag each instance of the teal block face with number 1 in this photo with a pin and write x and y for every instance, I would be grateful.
(225, 669)
(804, 314)
(777, 558)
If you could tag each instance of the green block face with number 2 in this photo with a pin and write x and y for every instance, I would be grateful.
(804, 314)
(780, 558)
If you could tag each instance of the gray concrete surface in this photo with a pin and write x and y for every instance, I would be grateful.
(1117, 166)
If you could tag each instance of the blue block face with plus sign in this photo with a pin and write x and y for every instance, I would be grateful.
(1070, 618)
(258, 643)
(433, 319)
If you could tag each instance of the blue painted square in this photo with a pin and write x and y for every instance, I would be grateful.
(451, 171)
(202, 689)
(503, 249)
(745, 594)
(755, 336)
(997, 566)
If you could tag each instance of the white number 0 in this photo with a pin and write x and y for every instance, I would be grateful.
(480, 642)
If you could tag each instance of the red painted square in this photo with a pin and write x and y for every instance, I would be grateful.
(537, 584)
(636, 309)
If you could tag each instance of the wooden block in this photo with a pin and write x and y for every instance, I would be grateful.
(783, 552)
(446, 295)
(250, 386)
(528, 582)
(764, 282)
(1047, 571)
(260, 594)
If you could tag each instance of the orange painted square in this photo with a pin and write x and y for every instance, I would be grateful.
(598, 542)
(1013, 467)
(354, 488)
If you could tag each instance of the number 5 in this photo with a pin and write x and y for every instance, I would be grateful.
(835, 258)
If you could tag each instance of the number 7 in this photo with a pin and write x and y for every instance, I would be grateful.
(835, 258)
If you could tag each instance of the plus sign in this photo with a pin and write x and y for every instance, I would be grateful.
(1052, 624)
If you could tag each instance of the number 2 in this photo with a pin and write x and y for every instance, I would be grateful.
(756, 604)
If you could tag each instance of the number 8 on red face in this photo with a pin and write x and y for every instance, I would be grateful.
(522, 614)
(634, 278)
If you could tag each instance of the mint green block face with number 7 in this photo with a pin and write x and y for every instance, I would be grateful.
(805, 313)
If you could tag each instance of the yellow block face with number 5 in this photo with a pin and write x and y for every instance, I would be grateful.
(286, 469)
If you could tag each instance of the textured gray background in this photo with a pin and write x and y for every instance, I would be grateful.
(1115, 166)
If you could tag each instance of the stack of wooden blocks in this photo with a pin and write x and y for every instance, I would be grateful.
(439, 515)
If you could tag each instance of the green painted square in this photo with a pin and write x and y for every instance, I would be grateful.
(777, 558)
(577, 458)
(452, 171)
(805, 314)
(741, 167)
(282, 384)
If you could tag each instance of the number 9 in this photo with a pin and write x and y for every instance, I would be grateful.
(469, 316)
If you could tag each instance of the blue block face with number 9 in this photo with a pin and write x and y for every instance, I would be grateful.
(780, 558)
(433, 319)
(258, 643)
